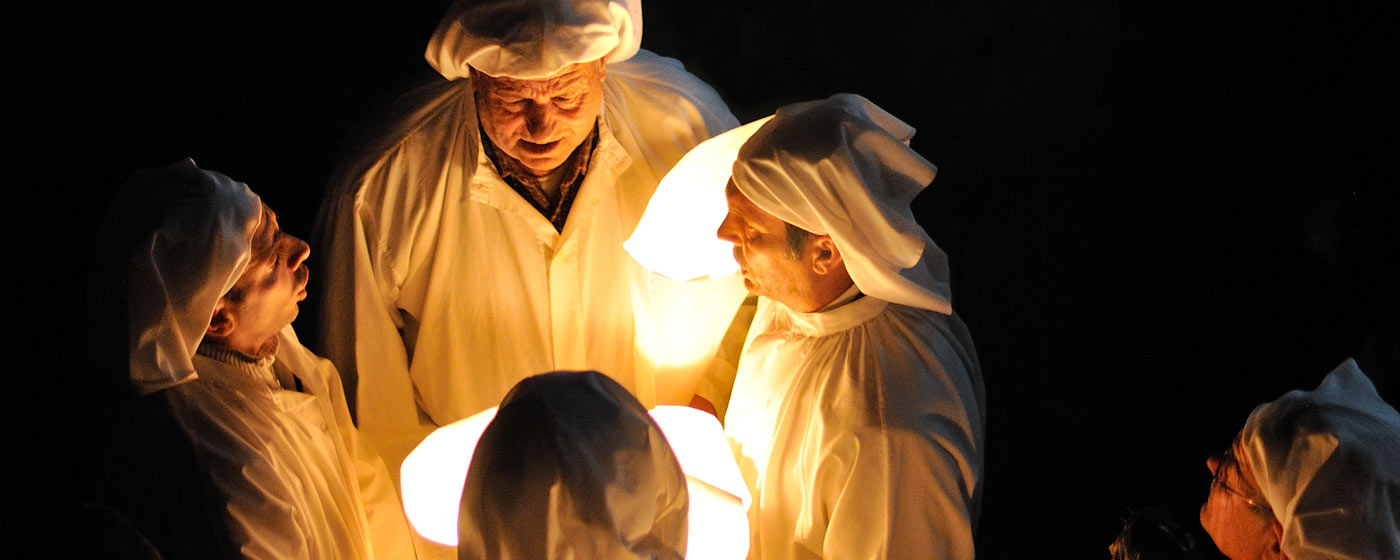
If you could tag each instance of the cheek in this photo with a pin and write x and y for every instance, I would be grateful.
(503, 123)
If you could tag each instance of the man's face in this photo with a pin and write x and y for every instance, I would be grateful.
(540, 122)
(271, 286)
(1235, 513)
(761, 249)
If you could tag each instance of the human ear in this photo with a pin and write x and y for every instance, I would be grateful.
(826, 257)
(221, 325)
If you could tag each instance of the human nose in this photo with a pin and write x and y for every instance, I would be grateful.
(539, 119)
(728, 230)
(1213, 463)
(298, 251)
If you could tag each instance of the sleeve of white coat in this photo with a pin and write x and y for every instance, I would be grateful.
(390, 536)
(258, 514)
(378, 211)
(897, 493)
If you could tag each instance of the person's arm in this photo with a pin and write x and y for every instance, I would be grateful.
(360, 328)
(257, 502)
(374, 216)
(904, 496)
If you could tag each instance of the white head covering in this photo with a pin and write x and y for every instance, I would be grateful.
(572, 467)
(530, 39)
(1328, 463)
(843, 167)
(193, 231)
(840, 166)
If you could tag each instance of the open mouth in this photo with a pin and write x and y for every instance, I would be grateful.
(537, 148)
(303, 278)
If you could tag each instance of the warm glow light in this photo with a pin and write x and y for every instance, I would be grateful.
(680, 326)
(676, 235)
(435, 472)
(719, 500)
(698, 441)
(432, 476)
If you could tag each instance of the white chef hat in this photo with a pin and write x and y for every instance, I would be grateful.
(532, 39)
(572, 466)
(192, 232)
(1328, 463)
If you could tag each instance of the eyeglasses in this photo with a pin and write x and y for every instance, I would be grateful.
(1228, 462)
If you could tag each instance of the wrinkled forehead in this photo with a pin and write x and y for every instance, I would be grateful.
(577, 76)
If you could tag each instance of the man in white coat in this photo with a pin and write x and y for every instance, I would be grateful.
(475, 237)
(1312, 475)
(857, 411)
(211, 286)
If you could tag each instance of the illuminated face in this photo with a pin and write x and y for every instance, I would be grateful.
(1235, 513)
(269, 289)
(761, 249)
(540, 122)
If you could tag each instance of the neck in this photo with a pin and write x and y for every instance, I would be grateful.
(252, 350)
(824, 291)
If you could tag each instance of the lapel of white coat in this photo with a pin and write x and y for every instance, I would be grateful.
(608, 162)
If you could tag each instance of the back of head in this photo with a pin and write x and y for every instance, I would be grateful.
(572, 466)
(1328, 463)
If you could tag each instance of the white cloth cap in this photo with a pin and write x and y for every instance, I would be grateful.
(1328, 463)
(573, 467)
(532, 39)
(195, 230)
(843, 167)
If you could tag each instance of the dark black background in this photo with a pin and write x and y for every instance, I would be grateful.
(1158, 215)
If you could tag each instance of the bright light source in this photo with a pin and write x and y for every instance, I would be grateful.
(698, 441)
(676, 235)
(719, 500)
(435, 472)
(432, 476)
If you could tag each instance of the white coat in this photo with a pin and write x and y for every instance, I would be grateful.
(287, 469)
(859, 430)
(446, 287)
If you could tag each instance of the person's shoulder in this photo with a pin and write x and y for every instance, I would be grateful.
(415, 121)
(648, 70)
(928, 327)
(648, 85)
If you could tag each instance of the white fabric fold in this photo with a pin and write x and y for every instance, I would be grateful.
(860, 431)
(1328, 463)
(530, 40)
(200, 225)
(843, 167)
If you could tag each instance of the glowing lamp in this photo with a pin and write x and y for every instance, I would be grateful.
(719, 500)
(434, 474)
(676, 235)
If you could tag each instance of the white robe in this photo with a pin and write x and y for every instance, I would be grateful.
(446, 287)
(859, 430)
(291, 477)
